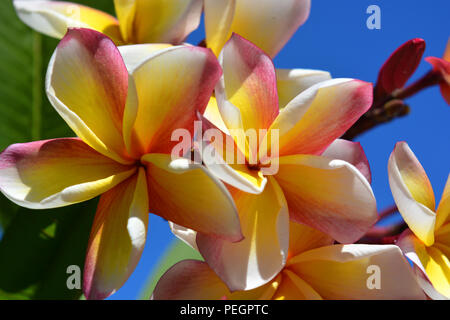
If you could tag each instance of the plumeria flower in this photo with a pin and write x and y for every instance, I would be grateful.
(442, 66)
(269, 24)
(315, 269)
(314, 184)
(138, 21)
(427, 242)
(123, 120)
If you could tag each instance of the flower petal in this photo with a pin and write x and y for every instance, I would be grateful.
(443, 67)
(171, 87)
(432, 263)
(279, 20)
(218, 19)
(53, 18)
(415, 250)
(351, 152)
(117, 237)
(258, 258)
(412, 192)
(186, 235)
(321, 114)
(187, 194)
(212, 114)
(143, 21)
(344, 272)
(329, 195)
(303, 238)
(440, 65)
(292, 82)
(221, 157)
(248, 83)
(87, 83)
(443, 210)
(195, 280)
(134, 55)
(56, 173)
(292, 287)
(446, 55)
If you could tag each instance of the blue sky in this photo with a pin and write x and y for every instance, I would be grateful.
(335, 38)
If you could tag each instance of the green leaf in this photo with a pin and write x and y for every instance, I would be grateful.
(36, 247)
(178, 251)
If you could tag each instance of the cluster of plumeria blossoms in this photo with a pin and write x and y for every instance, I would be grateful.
(244, 161)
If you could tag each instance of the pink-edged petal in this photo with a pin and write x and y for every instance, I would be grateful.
(56, 173)
(53, 18)
(190, 280)
(268, 24)
(351, 152)
(262, 253)
(87, 83)
(187, 194)
(195, 280)
(292, 82)
(247, 93)
(170, 88)
(117, 237)
(143, 21)
(442, 66)
(344, 271)
(321, 114)
(412, 192)
(329, 195)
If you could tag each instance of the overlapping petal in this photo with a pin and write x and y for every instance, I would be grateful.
(143, 21)
(262, 253)
(133, 55)
(342, 272)
(292, 287)
(170, 88)
(412, 192)
(351, 152)
(303, 238)
(55, 173)
(194, 280)
(432, 264)
(320, 115)
(329, 195)
(249, 17)
(292, 82)
(247, 92)
(87, 83)
(187, 194)
(53, 18)
(117, 237)
(223, 158)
